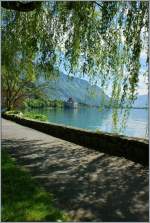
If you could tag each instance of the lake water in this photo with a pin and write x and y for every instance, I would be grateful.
(93, 119)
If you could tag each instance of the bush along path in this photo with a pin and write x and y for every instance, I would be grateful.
(22, 198)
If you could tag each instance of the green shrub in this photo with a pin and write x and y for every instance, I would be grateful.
(59, 103)
(41, 103)
(36, 103)
(13, 112)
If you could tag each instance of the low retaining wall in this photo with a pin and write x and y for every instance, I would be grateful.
(131, 148)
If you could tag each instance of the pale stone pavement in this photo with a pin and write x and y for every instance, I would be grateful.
(87, 184)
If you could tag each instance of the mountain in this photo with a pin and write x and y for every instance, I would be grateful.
(80, 90)
(141, 101)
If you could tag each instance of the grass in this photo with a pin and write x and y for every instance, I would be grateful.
(22, 198)
(33, 115)
(12, 112)
(30, 115)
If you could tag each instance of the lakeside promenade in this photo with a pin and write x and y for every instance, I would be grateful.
(89, 185)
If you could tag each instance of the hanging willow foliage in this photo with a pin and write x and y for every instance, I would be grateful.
(99, 39)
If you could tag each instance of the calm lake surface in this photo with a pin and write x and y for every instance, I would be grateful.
(93, 119)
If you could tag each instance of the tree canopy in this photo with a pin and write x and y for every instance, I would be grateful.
(102, 39)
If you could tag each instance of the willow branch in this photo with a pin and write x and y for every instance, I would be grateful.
(98, 4)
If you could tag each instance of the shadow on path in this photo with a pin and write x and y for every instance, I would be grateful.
(89, 185)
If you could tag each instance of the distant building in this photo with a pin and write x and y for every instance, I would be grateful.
(71, 103)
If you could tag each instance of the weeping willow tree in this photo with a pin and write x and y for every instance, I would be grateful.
(100, 39)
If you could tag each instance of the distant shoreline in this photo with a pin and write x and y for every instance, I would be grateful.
(49, 103)
(88, 106)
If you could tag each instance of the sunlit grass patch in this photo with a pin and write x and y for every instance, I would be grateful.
(33, 115)
(22, 198)
(28, 114)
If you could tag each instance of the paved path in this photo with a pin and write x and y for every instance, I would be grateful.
(90, 185)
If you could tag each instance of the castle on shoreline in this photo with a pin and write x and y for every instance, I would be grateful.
(71, 103)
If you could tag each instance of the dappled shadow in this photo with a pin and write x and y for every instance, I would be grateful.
(90, 185)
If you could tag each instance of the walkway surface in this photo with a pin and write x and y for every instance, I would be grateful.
(89, 185)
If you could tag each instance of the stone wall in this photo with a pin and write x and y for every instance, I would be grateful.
(134, 149)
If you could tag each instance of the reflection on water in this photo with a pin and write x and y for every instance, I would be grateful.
(93, 119)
